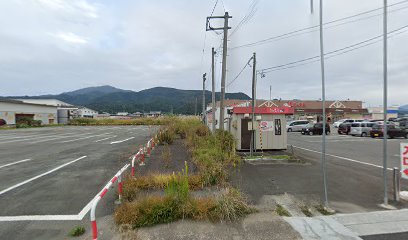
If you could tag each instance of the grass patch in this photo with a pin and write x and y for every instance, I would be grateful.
(323, 210)
(151, 210)
(77, 231)
(281, 211)
(306, 211)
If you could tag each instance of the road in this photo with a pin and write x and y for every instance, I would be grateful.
(53, 174)
(362, 149)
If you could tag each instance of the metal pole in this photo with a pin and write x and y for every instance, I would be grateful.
(396, 181)
(213, 89)
(326, 201)
(385, 104)
(224, 69)
(204, 110)
(311, 7)
(253, 145)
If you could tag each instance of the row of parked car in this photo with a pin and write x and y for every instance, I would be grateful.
(355, 127)
(374, 128)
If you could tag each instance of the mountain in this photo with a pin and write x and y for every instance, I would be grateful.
(112, 100)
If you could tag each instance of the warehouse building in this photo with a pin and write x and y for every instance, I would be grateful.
(12, 111)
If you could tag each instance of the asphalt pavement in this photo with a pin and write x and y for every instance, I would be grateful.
(51, 175)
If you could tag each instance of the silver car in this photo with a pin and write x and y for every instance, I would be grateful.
(361, 129)
(296, 126)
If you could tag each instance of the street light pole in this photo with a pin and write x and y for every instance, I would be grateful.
(385, 103)
(204, 110)
(326, 201)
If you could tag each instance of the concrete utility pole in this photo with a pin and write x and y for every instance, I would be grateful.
(195, 109)
(311, 7)
(204, 110)
(385, 98)
(253, 145)
(326, 201)
(224, 61)
(213, 89)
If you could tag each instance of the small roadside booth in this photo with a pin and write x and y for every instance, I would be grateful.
(269, 126)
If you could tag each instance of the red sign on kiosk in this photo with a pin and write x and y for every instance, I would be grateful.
(404, 160)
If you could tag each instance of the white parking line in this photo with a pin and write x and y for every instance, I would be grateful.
(105, 138)
(343, 158)
(77, 139)
(40, 218)
(127, 139)
(10, 164)
(41, 175)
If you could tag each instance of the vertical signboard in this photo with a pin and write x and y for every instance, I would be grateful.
(404, 160)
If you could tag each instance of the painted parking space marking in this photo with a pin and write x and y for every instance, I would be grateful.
(343, 158)
(100, 140)
(77, 139)
(127, 139)
(13, 163)
(41, 175)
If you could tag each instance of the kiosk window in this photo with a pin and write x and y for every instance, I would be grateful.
(278, 127)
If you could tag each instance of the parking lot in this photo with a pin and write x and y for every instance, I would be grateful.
(53, 174)
(360, 150)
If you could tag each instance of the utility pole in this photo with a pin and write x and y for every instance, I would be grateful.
(385, 103)
(224, 60)
(213, 89)
(326, 201)
(195, 109)
(311, 7)
(204, 110)
(270, 92)
(253, 145)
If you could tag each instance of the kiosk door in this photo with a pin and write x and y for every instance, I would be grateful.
(245, 134)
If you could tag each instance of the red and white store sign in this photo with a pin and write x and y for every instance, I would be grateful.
(404, 160)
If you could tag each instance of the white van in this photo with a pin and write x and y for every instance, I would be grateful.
(361, 129)
(296, 126)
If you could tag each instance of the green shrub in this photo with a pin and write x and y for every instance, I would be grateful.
(231, 206)
(281, 211)
(77, 231)
(166, 136)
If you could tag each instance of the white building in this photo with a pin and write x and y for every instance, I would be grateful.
(122, 113)
(13, 110)
(84, 112)
(378, 112)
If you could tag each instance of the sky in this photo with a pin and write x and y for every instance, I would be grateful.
(55, 46)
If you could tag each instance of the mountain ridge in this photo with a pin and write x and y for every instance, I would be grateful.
(111, 99)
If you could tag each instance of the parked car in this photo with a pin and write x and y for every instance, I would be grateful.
(337, 123)
(296, 126)
(315, 129)
(392, 131)
(361, 129)
(403, 122)
(344, 128)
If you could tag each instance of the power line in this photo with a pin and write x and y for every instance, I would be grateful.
(315, 28)
(334, 53)
(247, 17)
(239, 74)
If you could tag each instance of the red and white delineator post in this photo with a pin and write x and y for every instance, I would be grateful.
(101, 195)
(138, 155)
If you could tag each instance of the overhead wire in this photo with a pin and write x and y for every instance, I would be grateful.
(334, 53)
(239, 74)
(302, 31)
(247, 17)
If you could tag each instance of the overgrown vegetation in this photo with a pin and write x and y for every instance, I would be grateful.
(306, 211)
(77, 231)
(213, 154)
(27, 122)
(281, 211)
(107, 121)
(323, 210)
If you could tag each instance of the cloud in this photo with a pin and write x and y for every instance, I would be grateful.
(70, 37)
(71, 7)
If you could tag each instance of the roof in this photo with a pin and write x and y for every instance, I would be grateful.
(23, 103)
(49, 101)
(297, 104)
(264, 110)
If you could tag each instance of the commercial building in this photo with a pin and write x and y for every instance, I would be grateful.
(302, 109)
(378, 112)
(13, 110)
(84, 112)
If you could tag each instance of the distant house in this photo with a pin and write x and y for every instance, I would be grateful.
(84, 112)
(153, 114)
(136, 114)
(122, 113)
